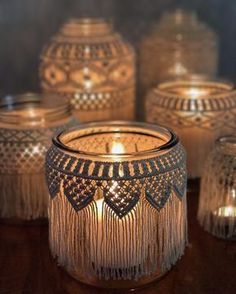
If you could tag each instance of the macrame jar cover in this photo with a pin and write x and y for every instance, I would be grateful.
(94, 67)
(27, 122)
(173, 48)
(217, 204)
(199, 110)
(118, 206)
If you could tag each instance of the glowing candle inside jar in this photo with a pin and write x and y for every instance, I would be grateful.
(195, 93)
(128, 254)
(226, 212)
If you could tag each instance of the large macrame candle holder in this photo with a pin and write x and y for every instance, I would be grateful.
(173, 48)
(217, 204)
(118, 207)
(27, 123)
(199, 110)
(94, 67)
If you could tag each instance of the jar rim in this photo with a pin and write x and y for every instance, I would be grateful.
(227, 144)
(217, 87)
(86, 27)
(118, 127)
(33, 109)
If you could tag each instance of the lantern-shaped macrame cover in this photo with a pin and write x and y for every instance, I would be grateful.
(173, 48)
(118, 207)
(93, 67)
(217, 204)
(27, 123)
(199, 110)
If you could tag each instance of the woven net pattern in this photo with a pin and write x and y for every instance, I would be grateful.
(121, 182)
(94, 72)
(210, 113)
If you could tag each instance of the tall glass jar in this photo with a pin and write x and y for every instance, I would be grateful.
(27, 123)
(177, 45)
(217, 204)
(94, 67)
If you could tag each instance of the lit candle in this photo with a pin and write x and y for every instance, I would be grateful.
(126, 239)
(110, 186)
(195, 93)
(224, 221)
(226, 212)
(27, 123)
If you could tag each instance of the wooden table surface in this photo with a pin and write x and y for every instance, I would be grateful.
(208, 266)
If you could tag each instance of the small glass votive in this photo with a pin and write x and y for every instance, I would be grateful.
(27, 123)
(217, 204)
(94, 67)
(198, 109)
(117, 215)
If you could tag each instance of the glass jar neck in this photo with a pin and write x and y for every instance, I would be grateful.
(227, 145)
(179, 17)
(33, 110)
(86, 27)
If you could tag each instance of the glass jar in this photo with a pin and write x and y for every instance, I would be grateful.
(217, 204)
(198, 109)
(27, 123)
(174, 48)
(94, 67)
(118, 194)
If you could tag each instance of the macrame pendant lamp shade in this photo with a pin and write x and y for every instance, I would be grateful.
(27, 123)
(94, 67)
(174, 47)
(199, 110)
(118, 195)
(217, 204)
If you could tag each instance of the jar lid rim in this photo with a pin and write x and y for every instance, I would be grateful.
(227, 144)
(33, 109)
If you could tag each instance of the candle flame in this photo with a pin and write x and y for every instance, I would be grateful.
(117, 148)
(227, 211)
(233, 193)
(195, 93)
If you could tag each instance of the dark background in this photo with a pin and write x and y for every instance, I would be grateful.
(26, 25)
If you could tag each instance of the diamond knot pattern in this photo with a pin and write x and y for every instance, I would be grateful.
(121, 196)
(54, 178)
(158, 191)
(78, 191)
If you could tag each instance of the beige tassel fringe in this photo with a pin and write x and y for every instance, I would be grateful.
(94, 242)
(23, 196)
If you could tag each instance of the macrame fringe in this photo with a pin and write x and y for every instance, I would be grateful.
(97, 243)
(23, 196)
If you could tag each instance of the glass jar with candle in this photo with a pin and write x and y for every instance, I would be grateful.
(199, 109)
(118, 195)
(27, 123)
(217, 204)
(94, 67)
(173, 48)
